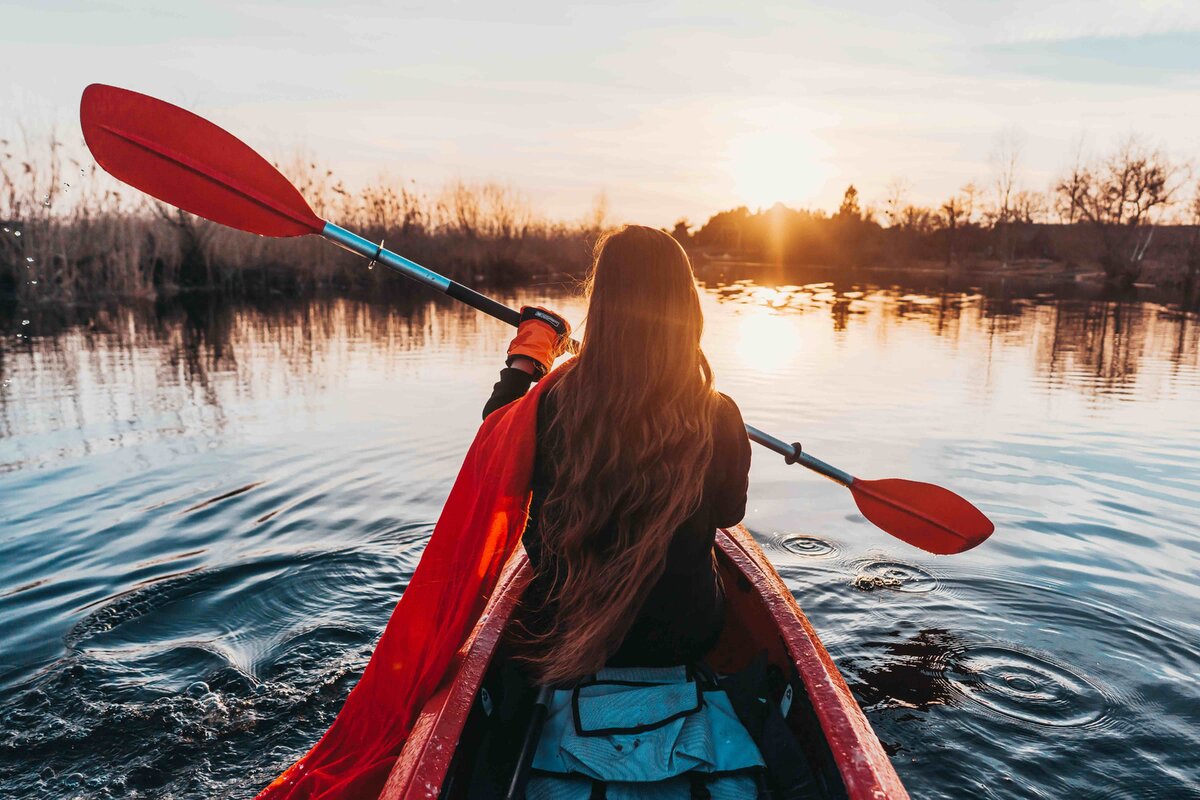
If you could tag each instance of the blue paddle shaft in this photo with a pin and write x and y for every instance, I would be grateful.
(411, 269)
(803, 459)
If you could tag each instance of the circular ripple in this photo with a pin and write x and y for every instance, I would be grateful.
(895, 576)
(804, 545)
(1026, 687)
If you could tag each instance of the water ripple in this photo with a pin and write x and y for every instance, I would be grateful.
(800, 544)
(209, 509)
(1026, 687)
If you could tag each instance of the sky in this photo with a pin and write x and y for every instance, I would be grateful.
(668, 109)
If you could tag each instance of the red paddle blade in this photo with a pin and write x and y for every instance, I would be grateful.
(185, 160)
(926, 516)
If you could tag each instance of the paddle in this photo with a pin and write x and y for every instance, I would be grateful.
(187, 161)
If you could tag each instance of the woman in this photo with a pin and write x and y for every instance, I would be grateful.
(639, 460)
(627, 461)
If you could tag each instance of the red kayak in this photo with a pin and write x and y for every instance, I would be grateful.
(762, 615)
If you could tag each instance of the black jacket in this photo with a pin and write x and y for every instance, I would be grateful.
(683, 614)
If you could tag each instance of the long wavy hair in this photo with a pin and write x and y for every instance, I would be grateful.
(633, 419)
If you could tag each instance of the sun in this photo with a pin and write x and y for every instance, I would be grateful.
(784, 164)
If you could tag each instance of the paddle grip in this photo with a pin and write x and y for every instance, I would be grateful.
(493, 309)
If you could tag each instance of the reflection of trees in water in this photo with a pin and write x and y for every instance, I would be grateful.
(196, 334)
(175, 360)
(1102, 345)
(905, 673)
(1095, 345)
(179, 358)
(1099, 342)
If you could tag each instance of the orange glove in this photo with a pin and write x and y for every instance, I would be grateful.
(542, 336)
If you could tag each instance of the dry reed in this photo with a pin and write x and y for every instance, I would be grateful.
(72, 234)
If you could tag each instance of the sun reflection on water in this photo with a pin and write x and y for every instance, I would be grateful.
(765, 341)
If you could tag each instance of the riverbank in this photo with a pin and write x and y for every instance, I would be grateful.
(54, 262)
(140, 256)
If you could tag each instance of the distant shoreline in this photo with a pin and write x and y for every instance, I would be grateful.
(54, 261)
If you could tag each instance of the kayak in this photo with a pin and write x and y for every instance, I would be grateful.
(762, 615)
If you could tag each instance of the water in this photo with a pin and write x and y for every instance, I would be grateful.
(209, 509)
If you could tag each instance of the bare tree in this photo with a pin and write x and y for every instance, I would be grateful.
(970, 195)
(896, 200)
(1006, 160)
(1122, 197)
(1070, 187)
(1028, 207)
(918, 220)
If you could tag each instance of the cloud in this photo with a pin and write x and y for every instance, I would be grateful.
(1039, 21)
(1153, 59)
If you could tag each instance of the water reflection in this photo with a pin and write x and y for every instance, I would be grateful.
(209, 508)
(105, 373)
(908, 670)
(208, 348)
(1096, 346)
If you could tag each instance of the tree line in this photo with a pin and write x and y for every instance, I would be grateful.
(1124, 213)
(69, 233)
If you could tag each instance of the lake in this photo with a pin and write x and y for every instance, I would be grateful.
(208, 509)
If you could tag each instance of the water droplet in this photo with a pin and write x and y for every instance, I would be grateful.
(16, 233)
(24, 322)
(29, 259)
(34, 283)
(371, 265)
(6, 230)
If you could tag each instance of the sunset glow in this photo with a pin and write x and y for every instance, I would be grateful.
(777, 166)
(676, 113)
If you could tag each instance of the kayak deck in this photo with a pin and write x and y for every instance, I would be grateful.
(762, 615)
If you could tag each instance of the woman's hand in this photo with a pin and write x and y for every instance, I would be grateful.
(542, 336)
